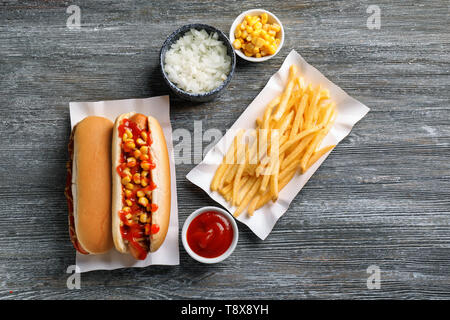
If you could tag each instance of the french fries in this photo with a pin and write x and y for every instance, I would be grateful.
(287, 139)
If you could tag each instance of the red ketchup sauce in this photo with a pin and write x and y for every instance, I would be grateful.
(133, 229)
(210, 234)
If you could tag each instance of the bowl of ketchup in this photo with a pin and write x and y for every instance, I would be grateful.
(210, 235)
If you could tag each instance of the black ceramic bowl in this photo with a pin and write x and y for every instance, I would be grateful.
(197, 97)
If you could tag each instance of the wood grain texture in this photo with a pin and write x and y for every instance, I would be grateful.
(381, 198)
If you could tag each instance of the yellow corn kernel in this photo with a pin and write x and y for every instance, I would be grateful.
(137, 154)
(237, 44)
(264, 17)
(258, 55)
(249, 47)
(266, 46)
(249, 38)
(129, 133)
(140, 194)
(244, 34)
(144, 182)
(260, 42)
(126, 209)
(128, 193)
(144, 174)
(125, 137)
(277, 41)
(272, 33)
(257, 40)
(140, 141)
(129, 186)
(126, 180)
(144, 135)
(242, 26)
(255, 50)
(144, 149)
(257, 26)
(275, 27)
(237, 32)
(248, 18)
(144, 157)
(145, 165)
(256, 33)
(126, 171)
(131, 162)
(266, 27)
(272, 49)
(137, 178)
(129, 202)
(143, 218)
(248, 54)
(130, 144)
(129, 216)
(143, 201)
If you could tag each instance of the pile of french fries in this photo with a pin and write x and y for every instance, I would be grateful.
(261, 162)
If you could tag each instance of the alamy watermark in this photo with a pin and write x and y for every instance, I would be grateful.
(252, 145)
(374, 20)
(374, 280)
(74, 20)
(74, 280)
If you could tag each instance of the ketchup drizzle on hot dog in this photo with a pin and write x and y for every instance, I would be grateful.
(135, 232)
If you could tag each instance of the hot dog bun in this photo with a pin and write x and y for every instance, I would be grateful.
(91, 185)
(160, 176)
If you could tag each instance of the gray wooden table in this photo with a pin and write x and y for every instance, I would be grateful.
(382, 198)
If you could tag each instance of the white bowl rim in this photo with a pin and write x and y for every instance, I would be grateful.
(240, 18)
(224, 255)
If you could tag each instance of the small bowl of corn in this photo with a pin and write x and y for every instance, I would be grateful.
(257, 35)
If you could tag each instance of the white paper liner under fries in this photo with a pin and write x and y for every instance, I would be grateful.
(349, 112)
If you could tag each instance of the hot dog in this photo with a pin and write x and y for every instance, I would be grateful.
(88, 186)
(140, 185)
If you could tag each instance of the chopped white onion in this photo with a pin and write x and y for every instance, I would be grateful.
(197, 62)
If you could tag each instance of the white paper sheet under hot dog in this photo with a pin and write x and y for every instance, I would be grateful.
(159, 108)
(350, 111)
